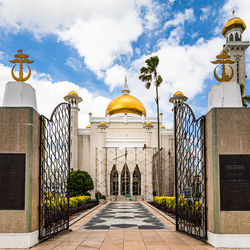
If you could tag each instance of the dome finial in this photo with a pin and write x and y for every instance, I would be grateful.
(125, 90)
(233, 13)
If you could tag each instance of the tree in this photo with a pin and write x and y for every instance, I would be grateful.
(246, 98)
(80, 182)
(148, 75)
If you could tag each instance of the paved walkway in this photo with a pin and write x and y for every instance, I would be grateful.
(88, 233)
(124, 216)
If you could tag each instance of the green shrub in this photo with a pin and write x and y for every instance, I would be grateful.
(194, 207)
(103, 197)
(80, 182)
(53, 204)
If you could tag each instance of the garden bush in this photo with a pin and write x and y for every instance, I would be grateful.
(80, 182)
(53, 203)
(187, 209)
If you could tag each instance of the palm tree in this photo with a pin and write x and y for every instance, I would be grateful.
(246, 98)
(148, 75)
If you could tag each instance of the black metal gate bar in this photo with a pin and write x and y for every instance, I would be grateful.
(54, 172)
(190, 172)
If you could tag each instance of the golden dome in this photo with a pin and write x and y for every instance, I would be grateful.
(72, 93)
(88, 126)
(102, 123)
(125, 104)
(148, 123)
(178, 93)
(235, 22)
(162, 126)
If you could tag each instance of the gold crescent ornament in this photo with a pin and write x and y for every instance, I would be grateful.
(21, 58)
(223, 59)
(226, 78)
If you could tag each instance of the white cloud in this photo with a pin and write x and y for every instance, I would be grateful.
(102, 40)
(74, 63)
(1, 55)
(194, 35)
(101, 31)
(115, 76)
(181, 18)
(176, 35)
(49, 94)
(205, 13)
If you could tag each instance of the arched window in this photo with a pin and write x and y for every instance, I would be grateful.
(231, 37)
(125, 180)
(237, 38)
(136, 181)
(114, 181)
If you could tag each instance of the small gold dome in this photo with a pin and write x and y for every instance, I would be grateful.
(162, 126)
(72, 93)
(125, 104)
(88, 126)
(178, 93)
(235, 22)
(147, 123)
(102, 123)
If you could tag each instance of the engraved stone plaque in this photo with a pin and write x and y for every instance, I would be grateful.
(12, 181)
(235, 182)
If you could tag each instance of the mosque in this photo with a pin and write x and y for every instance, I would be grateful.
(119, 149)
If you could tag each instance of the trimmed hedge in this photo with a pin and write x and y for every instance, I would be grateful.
(52, 202)
(187, 209)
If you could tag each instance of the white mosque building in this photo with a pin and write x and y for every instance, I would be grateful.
(118, 149)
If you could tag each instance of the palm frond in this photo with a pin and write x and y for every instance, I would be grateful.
(149, 72)
(158, 81)
(242, 88)
(144, 70)
(247, 98)
(147, 85)
(143, 78)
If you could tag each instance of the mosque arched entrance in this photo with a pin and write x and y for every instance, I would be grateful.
(125, 181)
(114, 181)
(137, 181)
(125, 173)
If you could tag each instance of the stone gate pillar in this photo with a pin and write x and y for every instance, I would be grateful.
(228, 177)
(19, 175)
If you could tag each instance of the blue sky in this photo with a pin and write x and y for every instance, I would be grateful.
(90, 46)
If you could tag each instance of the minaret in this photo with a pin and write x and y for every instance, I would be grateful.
(178, 98)
(73, 99)
(236, 48)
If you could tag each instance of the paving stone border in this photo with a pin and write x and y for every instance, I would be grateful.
(83, 214)
(161, 213)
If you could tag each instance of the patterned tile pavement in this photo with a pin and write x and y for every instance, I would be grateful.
(123, 238)
(124, 216)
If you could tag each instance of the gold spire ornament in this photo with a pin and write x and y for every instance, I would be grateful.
(223, 59)
(20, 58)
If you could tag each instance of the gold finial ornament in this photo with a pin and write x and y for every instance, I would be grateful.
(20, 58)
(223, 59)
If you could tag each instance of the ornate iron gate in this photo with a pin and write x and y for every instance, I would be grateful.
(54, 172)
(190, 172)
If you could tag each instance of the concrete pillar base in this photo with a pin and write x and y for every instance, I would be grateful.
(229, 240)
(18, 240)
(19, 94)
(225, 94)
